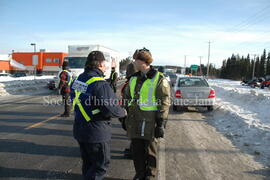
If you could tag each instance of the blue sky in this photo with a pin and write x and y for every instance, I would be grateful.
(170, 29)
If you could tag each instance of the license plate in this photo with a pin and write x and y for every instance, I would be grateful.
(194, 95)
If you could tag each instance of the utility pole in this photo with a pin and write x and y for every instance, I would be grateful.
(254, 64)
(207, 74)
(200, 65)
(34, 44)
(35, 66)
(185, 62)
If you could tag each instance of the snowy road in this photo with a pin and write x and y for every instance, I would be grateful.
(195, 150)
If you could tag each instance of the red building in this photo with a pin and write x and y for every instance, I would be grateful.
(42, 62)
(4, 63)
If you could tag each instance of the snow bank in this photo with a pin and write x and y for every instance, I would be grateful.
(8, 78)
(10, 85)
(242, 114)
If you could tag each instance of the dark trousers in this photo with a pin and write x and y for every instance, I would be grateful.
(144, 154)
(113, 87)
(96, 160)
(66, 100)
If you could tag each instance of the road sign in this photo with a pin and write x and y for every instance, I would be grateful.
(194, 67)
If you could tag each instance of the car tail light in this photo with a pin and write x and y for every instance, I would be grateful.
(212, 94)
(178, 94)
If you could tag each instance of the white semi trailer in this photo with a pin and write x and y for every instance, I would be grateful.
(77, 55)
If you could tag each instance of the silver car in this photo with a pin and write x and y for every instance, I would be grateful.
(193, 91)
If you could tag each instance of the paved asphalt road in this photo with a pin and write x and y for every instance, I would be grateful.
(35, 143)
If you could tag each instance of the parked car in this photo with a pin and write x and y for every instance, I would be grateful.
(51, 85)
(4, 74)
(20, 74)
(193, 92)
(172, 76)
(121, 76)
(265, 83)
(255, 82)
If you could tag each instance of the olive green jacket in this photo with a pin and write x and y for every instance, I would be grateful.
(141, 124)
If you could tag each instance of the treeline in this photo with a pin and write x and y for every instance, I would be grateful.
(235, 67)
(239, 68)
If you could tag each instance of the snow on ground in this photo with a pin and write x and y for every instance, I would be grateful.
(8, 78)
(22, 85)
(243, 114)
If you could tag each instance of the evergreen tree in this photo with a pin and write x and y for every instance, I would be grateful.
(248, 68)
(223, 69)
(262, 65)
(257, 67)
(268, 65)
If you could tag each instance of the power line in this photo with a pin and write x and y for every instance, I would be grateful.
(250, 19)
(200, 64)
(259, 16)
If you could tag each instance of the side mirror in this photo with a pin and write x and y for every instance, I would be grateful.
(173, 84)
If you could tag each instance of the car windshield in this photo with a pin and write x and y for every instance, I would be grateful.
(76, 62)
(192, 82)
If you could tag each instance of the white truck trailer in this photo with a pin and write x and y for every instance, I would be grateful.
(77, 55)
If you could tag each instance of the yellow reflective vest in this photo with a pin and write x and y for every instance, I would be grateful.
(78, 91)
(147, 100)
(70, 76)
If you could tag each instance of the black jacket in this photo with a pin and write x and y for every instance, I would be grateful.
(98, 95)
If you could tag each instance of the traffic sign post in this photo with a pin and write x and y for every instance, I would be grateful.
(194, 67)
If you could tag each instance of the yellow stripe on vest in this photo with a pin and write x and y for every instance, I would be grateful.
(76, 100)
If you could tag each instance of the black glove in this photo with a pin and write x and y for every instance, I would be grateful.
(123, 122)
(159, 132)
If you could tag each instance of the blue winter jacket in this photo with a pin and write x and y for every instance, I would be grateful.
(98, 95)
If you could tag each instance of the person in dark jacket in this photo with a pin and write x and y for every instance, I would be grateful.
(113, 79)
(95, 103)
(131, 69)
(64, 86)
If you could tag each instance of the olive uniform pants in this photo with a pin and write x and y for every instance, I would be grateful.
(144, 154)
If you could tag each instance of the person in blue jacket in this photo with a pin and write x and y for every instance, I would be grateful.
(94, 104)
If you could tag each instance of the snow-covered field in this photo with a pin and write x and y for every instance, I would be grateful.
(21, 85)
(242, 113)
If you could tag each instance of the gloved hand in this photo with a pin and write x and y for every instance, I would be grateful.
(159, 132)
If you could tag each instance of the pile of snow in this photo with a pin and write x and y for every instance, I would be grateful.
(11, 85)
(242, 114)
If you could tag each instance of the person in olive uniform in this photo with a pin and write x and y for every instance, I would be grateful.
(148, 94)
(94, 103)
